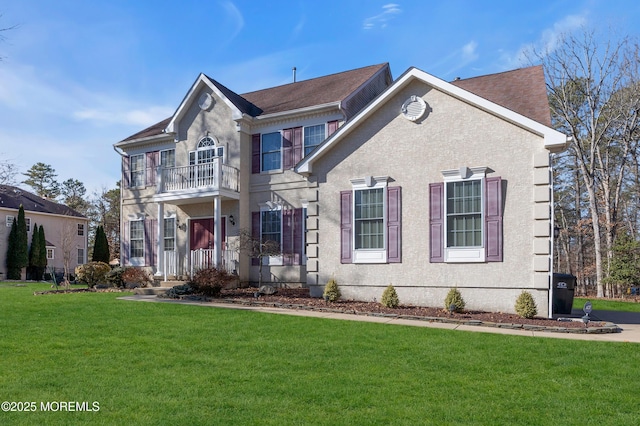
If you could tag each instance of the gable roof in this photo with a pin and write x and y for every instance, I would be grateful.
(12, 197)
(523, 91)
(323, 90)
(553, 140)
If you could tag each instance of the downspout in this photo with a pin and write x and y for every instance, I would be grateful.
(122, 155)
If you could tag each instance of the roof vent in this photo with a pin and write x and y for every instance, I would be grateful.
(294, 74)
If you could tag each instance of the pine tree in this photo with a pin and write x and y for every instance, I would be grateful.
(101, 246)
(42, 252)
(22, 242)
(13, 271)
(32, 270)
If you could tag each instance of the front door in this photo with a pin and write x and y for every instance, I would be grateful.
(201, 233)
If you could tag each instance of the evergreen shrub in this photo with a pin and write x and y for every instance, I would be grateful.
(454, 298)
(526, 306)
(331, 291)
(390, 297)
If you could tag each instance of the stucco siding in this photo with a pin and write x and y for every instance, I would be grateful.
(451, 135)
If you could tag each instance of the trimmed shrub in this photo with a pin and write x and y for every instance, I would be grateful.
(209, 282)
(177, 291)
(114, 277)
(133, 277)
(390, 297)
(454, 298)
(526, 306)
(331, 291)
(92, 273)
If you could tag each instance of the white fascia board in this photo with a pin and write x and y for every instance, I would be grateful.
(553, 140)
(189, 98)
(142, 141)
(301, 111)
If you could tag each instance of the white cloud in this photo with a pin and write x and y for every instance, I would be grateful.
(235, 17)
(389, 11)
(136, 117)
(547, 42)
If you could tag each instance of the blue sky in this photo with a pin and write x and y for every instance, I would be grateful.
(76, 76)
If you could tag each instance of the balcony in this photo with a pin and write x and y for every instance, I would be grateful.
(200, 180)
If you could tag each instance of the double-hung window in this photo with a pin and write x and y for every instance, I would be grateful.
(136, 242)
(80, 256)
(313, 136)
(271, 151)
(168, 158)
(81, 229)
(9, 221)
(271, 225)
(169, 233)
(370, 222)
(464, 213)
(136, 164)
(466, 217)
(369, 219)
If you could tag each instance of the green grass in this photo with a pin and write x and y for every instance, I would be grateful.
(607, 305)
(163, 363)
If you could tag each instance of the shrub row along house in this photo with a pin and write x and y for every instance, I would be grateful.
(65, 229)
(417, 182)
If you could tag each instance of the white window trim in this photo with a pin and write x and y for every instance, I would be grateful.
(175, 232)
(272, 260)
(52, 251)
(131, 170)
(28, 222)
(9, 221)
(80, 254)
(369, 255)
(81, 226)
(464, 254)
(137, 261)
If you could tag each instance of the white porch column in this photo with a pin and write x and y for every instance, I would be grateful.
(160, 240)
(217, 232)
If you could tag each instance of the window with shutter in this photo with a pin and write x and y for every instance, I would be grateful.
(370, 223)
(466, 218)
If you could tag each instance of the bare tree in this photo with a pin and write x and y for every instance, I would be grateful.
(67, 238)
(589, 83)
(256, 248)
(8, 172)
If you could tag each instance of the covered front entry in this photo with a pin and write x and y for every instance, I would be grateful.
(202, 244)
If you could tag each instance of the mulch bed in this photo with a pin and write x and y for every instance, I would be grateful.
(299, 298)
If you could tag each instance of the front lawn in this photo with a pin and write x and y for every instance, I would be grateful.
(607, 304)
(164, 363)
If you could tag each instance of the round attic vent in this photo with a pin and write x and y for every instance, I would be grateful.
(413, 108)
(205, 101)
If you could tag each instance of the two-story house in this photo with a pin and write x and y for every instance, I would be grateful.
(419, 183)
(65, 229)
(222, 167)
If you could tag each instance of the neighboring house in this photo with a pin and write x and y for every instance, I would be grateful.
(65, 229)
(419, 183)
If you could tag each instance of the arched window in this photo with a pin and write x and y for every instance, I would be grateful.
(206, 151)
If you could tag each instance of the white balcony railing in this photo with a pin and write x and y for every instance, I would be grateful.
(215, 175)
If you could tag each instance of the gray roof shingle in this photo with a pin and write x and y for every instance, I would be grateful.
(12, 197)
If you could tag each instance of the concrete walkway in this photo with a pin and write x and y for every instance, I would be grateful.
(628, 322)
